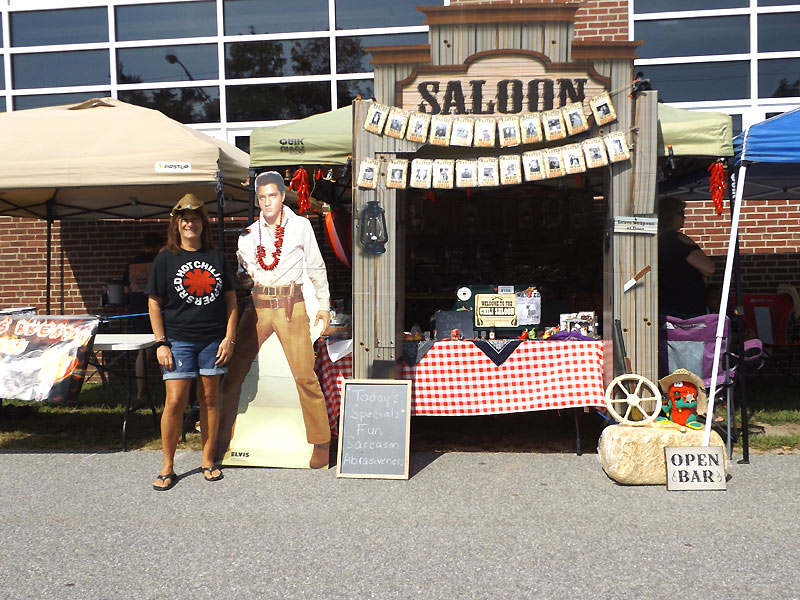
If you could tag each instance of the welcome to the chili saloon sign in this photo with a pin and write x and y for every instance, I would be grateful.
(499, 82)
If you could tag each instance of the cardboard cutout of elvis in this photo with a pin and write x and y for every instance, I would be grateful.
(273, 410)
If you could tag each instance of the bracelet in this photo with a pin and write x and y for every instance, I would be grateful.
(231, 342)
(162, 342)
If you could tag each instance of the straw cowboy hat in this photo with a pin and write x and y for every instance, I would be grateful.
(685, 375)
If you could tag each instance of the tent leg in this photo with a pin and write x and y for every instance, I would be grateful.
(220, 212)
(49, 263)
(742, 379)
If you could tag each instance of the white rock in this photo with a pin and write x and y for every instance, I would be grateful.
(635, 455)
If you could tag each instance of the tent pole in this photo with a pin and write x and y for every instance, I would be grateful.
(251, 195)
(723, 303)
(48, 257)
(220, 211)
(742, 385)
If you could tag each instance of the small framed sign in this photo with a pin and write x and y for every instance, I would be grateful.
(368, 173)
(533, 165)
(553, 163)
(573, 159)
(396, 123)
(417, 130)
(462, 132)
(530, 125)
(443, 173)
(466, 173)
(574, 118)
(485, 133)
(440, 130)
(376, 117)
(594, 150)
(510, 169)
(487, 172)
(509, 131)
(617, 147)
(602, 109)
(421, 170)
(695, 468)
(495, 310)
(396, 170)
(553, 124)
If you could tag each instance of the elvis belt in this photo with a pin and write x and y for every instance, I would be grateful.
(281, 296)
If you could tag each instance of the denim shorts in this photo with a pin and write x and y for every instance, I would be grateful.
(193, 358)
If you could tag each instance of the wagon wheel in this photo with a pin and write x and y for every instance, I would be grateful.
(633, 400)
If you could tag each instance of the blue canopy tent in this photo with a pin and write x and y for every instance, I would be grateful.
(766, 163)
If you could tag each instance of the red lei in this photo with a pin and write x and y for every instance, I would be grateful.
(276, 256)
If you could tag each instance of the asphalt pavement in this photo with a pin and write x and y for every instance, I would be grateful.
(465, 525)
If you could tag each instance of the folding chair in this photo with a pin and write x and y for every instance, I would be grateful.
(769, 317)
(690, 344)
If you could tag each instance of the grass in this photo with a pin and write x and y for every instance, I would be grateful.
(95, 423)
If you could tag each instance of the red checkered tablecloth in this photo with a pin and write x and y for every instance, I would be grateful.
(457, 378)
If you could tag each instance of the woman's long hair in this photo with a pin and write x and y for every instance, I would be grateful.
(174, 236)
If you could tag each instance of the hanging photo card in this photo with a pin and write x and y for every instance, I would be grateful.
(602, 109)
(443, 173)
(376, 117)
(485, 133)
(553, 125)
(396, 123)
(573, 159)
(466, 173)
(617, 147)
(396, 170)
(510, 169)
(417, 129)
(487, 172)
(421, 169)
(594, 150)
(440, 130)
(462, 132)
(575, 118)
(553, 163)
(509, 131)
(368, 172)
(530, 125)
(533, 165)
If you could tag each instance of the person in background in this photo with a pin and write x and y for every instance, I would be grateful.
(274, 254)
(134, 278)
(193, 284)
(683, 268)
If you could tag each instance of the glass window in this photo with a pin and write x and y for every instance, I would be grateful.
(279, 58)
(777, 2)
(2, 104)
(244, 17)
(779, 78)
(736, 125)
(57, 69)
(278, 101)
(2, 74)
(776, 32)
(653, 6)
(40, 100)
(350, 54)
(187, 105)
(167, 63)
(70, 26)
(172, 20)
(693, 37)
(346, 91)
(700, 82)
(355, 14)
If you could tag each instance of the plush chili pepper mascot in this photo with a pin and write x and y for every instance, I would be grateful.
(684, 395)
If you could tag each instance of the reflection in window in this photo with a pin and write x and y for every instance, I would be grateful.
(2, 74)
(693, 37)
(56, 69)
(71, 26)
(172, 20)
(167, 63)
(779, 78)
(778, 32)
(736, 125)
(278, 101)
(41, 100)
(700, 82)
(355, 14)
(777, 2)
(279, 58)
(350, 54)
(244, 17)
(187, 105)
(346, 91)
(2, 104)
(651, 6)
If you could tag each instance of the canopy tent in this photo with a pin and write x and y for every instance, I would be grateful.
(693, 133)
(766, 156)
(105, 159)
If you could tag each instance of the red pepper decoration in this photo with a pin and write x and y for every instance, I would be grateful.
(299, 184)
(718, 183)
(318, 174)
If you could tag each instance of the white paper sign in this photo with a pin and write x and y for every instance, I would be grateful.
(695, 468)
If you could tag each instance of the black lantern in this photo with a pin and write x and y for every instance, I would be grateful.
(373, 228)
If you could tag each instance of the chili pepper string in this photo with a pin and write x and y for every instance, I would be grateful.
(299, 184)
(717, 184)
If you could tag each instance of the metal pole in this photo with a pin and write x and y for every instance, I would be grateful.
(49, 268)
(220, 211)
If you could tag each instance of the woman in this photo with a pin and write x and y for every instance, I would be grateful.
(682, 266)
(194, 286)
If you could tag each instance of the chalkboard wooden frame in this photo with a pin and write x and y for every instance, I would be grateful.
(384, 412)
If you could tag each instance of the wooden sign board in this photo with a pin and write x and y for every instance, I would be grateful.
(374, 427)
(695, 468)
(499, 83)
(495, 310)
(646, 225)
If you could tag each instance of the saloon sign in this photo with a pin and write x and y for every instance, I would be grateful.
(499, 82)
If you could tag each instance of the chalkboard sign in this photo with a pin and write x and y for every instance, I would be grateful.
(447, 320)
(374, 426)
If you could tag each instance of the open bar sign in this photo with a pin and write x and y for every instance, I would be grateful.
(695, 468)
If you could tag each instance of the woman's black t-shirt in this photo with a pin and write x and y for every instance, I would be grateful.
(681, 287)
(192, 286)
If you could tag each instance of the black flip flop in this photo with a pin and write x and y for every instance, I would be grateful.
(173, 479)
(210, 470)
